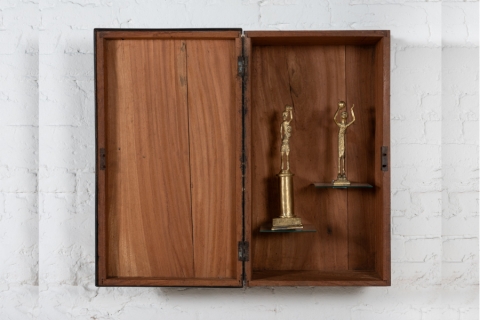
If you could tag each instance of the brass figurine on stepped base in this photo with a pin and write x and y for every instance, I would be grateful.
(287, 219)
(343, 125)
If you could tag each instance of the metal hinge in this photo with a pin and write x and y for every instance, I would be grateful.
(242, 66)
(384, 151)
(102, 159)
(243, 251)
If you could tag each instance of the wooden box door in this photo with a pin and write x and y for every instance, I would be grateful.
(169, 146)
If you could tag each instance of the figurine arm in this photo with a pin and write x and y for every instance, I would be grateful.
(335, 118)
(353, 116)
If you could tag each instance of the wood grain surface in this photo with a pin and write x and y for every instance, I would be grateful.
(382, 138)
(316, 278)
(352, 243)
(360, 161)
(165, 34)
(100, 176)
(311, 37)
(312, 80)
(213, 156)
(248, 142)
(148, 176)
(173, 208)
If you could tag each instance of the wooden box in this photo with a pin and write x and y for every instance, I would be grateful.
(188, 146)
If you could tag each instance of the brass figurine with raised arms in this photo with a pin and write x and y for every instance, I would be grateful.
(343, 125)
(287, 219)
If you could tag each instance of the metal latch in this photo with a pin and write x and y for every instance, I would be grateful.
(243, 251)
(102, 159)
(384, 151)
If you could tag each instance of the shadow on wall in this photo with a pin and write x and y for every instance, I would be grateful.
(257, 292)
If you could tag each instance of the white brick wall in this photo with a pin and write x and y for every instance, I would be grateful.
(47, 160)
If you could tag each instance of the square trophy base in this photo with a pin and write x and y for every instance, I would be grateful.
(287, 223)
(341, 181)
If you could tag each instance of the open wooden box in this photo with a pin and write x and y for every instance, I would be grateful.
(188, 149)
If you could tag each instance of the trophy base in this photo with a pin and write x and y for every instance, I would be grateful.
(267, 228)
(287, 223)
(341, 181)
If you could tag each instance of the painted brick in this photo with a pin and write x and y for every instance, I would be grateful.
(458, 225)
(404, 313)
(398, 248)
(57, 180)
(416, 179)
(418, 275)
(460, 249)
(460, 23)
(417, 226)
(460, 274)
(423, 249)
(19, 146)
(440, 313)
(469, 313)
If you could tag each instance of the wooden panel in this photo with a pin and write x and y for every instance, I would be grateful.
(303, 38)
(214, 154)
(100, 210)
(169, 166)
(382, 178)
(165, 34)
(316, 278)
(148, 195)
(241, 161)
(360, 150)
(312, 79)
(247, 128)
(170, 282)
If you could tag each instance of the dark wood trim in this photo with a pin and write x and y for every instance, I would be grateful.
(382, 178)
(316, 278)
(170, 29)
(386, 270)
(239, 148)
(169, 33)
(96, 157)
(248, 156)
(363, 37)
(156, 282)
(101, 270)
(322, 283)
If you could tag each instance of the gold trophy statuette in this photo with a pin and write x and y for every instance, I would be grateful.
(287, 219)
(343, 125)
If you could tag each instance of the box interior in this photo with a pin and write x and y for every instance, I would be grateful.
(313, 75)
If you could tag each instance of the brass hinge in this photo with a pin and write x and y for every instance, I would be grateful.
(242, 66)
(243, 251)
(384, 151)
(102, 159)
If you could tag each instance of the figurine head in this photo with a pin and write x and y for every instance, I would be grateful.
(285, 115)
(341, 105)
(344, 115)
